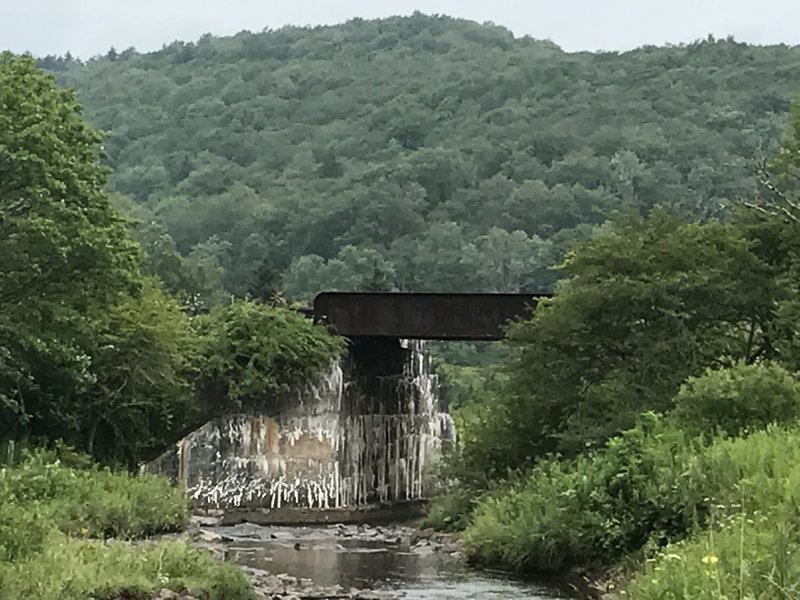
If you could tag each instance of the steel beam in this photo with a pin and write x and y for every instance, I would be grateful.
(423, 316)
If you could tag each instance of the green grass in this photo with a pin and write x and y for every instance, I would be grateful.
(90, 500)
(66, 526)
(449, 512)
(717, 520)
(728, 454)
(67, 569)
(598, 509)
(751, 546)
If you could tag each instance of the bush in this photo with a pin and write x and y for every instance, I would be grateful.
(739, 399)
(248, 351)
(23, 530)
(652, 485)
(78, 569)
(752, 546)
(45, 501)
(451, 511)
(92, 501)
(591, 508)
(745, 557)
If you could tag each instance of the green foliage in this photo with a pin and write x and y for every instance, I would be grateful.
(50, 512)
(23, 531)
(450, 511)
(655, 314)
(64, 253)
(786, 163)
(590, 509)
(751, 547)
(248, 351)
(463, 385)
(738, 399)
(91, 501)
(196, 279)
(91, 351)
(646, 304)
(68, 569)
(415, 138)
(140, 395)
(352, 269)
(651, 485)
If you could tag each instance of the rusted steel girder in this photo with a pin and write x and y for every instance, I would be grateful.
(423, 316)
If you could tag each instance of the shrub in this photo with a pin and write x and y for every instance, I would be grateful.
(751, 548)
(248, 351)
(94, 501)
(591, 508)
(24, 530)
(44, 501)
(450, 511)
(78, 569)
(745, 557)
(650, 486)
(739, 399)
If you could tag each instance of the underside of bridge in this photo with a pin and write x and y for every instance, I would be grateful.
(478, 317)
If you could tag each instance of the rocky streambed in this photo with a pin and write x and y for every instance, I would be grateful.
(357, 562)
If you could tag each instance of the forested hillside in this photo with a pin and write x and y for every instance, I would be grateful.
(418, 153)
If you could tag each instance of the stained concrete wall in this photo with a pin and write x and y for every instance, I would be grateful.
(364, 433)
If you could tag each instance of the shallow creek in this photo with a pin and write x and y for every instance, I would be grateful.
(348, 561)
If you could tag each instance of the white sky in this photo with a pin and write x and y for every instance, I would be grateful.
(89, 27)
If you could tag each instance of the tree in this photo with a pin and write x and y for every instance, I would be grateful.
(646, 304)
(64, 252)
(738, 400)
(780, 178)
(91, 350)
(510, 262)
(353, 269)
(140, 396)
(373, 133)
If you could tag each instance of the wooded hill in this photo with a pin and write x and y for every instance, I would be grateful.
(416, 153)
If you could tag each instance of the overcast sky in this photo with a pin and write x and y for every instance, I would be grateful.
(89, 27)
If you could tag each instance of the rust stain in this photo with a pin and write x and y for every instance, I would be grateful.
(273, 436)
(344, 445)
(309, 447)
(255, 434)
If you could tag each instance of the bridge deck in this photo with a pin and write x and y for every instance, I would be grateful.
(423, 316)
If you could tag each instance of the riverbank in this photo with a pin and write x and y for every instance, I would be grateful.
(658, 513)
(356, 562)
(283, 547)
(70, 530)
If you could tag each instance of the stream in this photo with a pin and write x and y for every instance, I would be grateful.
(358, 561)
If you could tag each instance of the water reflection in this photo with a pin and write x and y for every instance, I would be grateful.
(384, 563)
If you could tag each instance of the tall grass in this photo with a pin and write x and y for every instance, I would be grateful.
(86, 498)
(643, 486)
(653, 485)
(58, 513)
(69, 569)
(661, 484)
(751, 547)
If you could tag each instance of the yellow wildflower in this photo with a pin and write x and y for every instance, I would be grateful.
(710, 560)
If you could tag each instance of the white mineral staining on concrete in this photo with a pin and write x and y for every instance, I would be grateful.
(329, 445)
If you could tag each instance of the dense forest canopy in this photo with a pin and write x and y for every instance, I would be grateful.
(416, 153)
